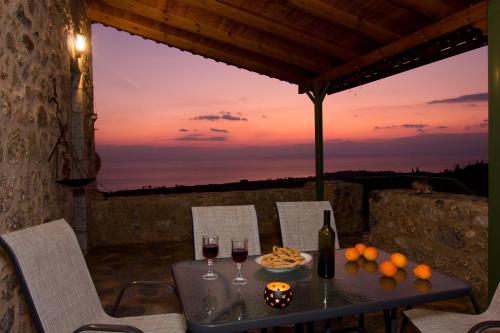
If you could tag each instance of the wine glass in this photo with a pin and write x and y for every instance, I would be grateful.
(239, 252)
(210, 251)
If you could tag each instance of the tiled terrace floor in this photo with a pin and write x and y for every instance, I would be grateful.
(113, 268)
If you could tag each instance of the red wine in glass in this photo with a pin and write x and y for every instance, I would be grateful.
(239, 254)
(210, 251)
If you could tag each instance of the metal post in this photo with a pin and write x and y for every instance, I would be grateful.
(494, 145)
(317, 98)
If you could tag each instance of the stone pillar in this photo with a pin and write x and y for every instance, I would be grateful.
(34, 53)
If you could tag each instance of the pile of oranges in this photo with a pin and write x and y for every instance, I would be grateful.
(389, 268)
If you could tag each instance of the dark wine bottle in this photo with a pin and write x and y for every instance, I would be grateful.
(326, 249)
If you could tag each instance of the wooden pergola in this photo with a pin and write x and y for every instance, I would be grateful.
(326, 46)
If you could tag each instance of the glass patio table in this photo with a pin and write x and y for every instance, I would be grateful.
(220, 306)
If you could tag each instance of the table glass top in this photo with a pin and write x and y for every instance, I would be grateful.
(356, 287)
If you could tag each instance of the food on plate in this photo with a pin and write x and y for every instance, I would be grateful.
(423, 272)
(360, 247)
(388, 268)
(282, 257)
(351, 254)
(399, 260)
(370, 253)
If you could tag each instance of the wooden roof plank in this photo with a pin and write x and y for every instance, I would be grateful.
(185, 24)
(266, 25)
(339, 17)
(100, 16)
(433, 9)
(470, 16)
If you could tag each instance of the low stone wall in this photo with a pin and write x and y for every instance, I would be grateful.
(447, 231)
(167, 218)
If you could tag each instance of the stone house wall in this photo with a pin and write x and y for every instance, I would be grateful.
(447, 231)
(167, 218)
(35, 49)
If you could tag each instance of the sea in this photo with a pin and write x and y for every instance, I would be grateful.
(114, 176)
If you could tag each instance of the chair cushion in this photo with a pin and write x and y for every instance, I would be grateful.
(300, 222)
(227, 222)
(430, 321)
(56, 275)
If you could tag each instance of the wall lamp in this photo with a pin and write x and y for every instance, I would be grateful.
(80, 45)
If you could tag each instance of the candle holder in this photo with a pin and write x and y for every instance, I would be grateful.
(278, 294)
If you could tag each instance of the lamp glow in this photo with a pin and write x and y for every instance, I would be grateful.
(79, 44)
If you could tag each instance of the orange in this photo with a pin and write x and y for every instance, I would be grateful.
(399, 260)
(351, 267)
(371, 253)
(422, 286)
(388, 268)
(351, 254)
(423, 272)
(388, 283)
(360, 247)
(400, 275)
(370, 266)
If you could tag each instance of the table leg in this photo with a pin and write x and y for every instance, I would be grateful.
(328, 326)
(361, 320)
(475, 304)
(404, 324)
(299, 328)
(310, 327)
(390, 318)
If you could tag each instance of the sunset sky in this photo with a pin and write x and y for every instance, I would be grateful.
(150, 94)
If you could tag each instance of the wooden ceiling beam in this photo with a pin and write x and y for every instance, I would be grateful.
(433, 9)
(339, 17)
(182, 23)
(472, 15)
(263, 24)
(98, 14)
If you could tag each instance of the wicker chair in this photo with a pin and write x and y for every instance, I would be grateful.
(227, 222)
(431, 321)
(301, 221)
(59, 290)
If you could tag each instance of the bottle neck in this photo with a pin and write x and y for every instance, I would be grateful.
(326, 219)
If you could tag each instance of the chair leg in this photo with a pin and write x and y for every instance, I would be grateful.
(475, 304)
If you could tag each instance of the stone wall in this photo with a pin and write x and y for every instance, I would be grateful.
(36, 49)
(167, 218)
(447, 231)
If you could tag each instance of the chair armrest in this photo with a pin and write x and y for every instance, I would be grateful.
(108, 328)
(139, 284)
(479, 327)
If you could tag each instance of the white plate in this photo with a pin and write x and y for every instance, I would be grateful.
(307, 258)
